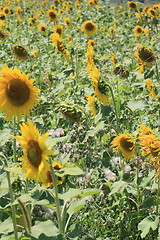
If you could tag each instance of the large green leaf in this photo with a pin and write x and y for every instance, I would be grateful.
(95, 130)
(76, 206)
(146, 224)
(46, 227)
(6, 226)
(70, 169)
(78, 193)
(5, 135)
(118, 187)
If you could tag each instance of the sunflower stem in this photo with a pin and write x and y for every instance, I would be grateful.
(58, 210)
(158, 197)
(115, 108)
(12, 200)
(14, 141)
(157, 72)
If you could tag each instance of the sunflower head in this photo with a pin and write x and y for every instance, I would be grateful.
(132, 5)
(19, 52)
(52, 15)
(138, 30)
(121, 71)
(151, 88)
(91, 43)
(58, 29)
(32, 21)
(6, 10)
(152, 12)
(18, 95)
(71, 112)
(92, 105)
(35, 152)
(48, 181)
(145, 54)
(42, 27)
(143, 131)
(2, 16)
(124, 143)
(89, 27)
(67, 21)
(3, 35)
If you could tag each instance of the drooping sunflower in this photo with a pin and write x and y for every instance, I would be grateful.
(58, 43)
(35, 152)
(132, 5)
(151, 88)
(89, 27)
(48, 180)
(3, 34)
(42, 27)
(92, 105)
(124, 143)
(58, 29)
(52, 15)
(17, 93)
(19, 52)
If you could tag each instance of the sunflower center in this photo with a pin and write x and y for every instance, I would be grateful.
(126, 144)
(2, 17)
(20, 51)
(17, 92)
(146, 55)
(52, 15)
(59, 31)
(57, 167)
(34, 153)
(43, 29)
(132, 5)
(2, 36)
(139, 30)
(89, 27)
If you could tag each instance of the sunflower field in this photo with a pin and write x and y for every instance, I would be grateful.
(79, 120)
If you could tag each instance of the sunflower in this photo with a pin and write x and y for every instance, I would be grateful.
(151, 88)
(52, 15)
(32, 21)
(42, 27)
(89, 27)
(35, 152)
(151, 12)
(2, 16)
(138, 30)
(6, 10)
(19, 11)
(58, 43)
(124, 143)
(58, 29)
(91, 42)
(3, 34)
(19, 52)
(100, 92)
(132, 5)
(17, 93)
(92, 105)
(111, 30)
(139, 17)
(48, 181)
(143, 131)
(67, 21)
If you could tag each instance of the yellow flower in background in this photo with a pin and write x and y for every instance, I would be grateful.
(111, 30)
(92, 105)
(139, 17)
(151, 88)
(3, 34)
(2, 16)
(58, 29)
(132, 5)
(152, 12)
(19, 52)
(48, 181)
(42, 27)
(138, 30)
(58, 43)
(143, 131)
(35, 53)
(67, 21)
(124, 143)
(89, 27)
(91, 42)
(52, 15)
(35, 153)
(6, 10)
(17, 93)
(19, 10)
(100, 92)
(33, 21)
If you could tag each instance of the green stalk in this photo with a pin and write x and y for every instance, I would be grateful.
(58, 210)
(14, 141)
(157, 72)
(115, 108)
(158, 197)
(12, 200)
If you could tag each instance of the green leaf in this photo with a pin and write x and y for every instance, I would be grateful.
(70, 169)
(78, 193)
(136, 105)
(46, 227)
(5, 135)
(52, 141)
(6, 226)
(146, 224)
(95, 130)
(118, 187)
(76, 206)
